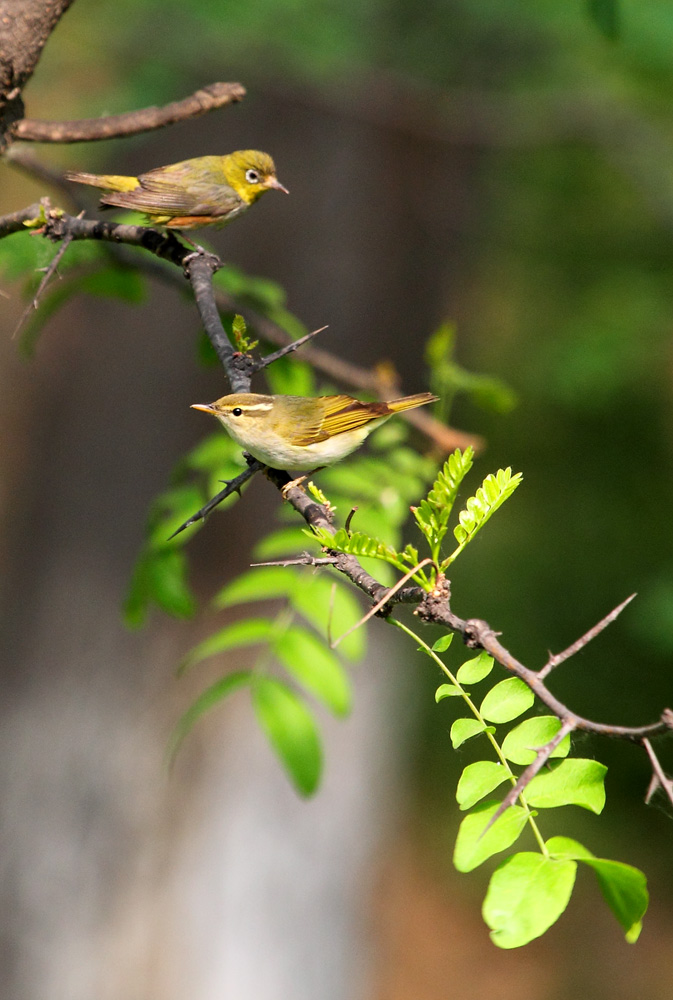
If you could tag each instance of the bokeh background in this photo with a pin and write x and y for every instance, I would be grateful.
(504, 167)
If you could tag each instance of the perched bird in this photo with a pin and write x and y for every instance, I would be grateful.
(206, 191)
(299, 432)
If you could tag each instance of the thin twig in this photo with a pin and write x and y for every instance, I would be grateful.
(478, 634)
(557, 658)
(233, 486)
(383, 601)
(659, 777)
(541, 757)
(269, 359)
(305, 559)
(49, 273)
(215, 95)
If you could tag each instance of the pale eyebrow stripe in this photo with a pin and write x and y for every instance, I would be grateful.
(246, 407)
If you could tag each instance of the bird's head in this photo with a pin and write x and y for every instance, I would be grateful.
(251, 173)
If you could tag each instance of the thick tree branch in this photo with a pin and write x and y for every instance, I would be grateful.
(215, 95)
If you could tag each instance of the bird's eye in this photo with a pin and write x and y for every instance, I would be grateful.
(237, 411)
(252, 177)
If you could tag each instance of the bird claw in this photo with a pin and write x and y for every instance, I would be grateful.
(284, 490)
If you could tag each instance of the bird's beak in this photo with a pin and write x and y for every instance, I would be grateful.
(273, 182)
(206, 407)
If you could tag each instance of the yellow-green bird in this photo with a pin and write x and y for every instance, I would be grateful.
(205, 191)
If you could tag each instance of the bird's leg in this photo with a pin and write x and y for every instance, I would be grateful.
(297, 482)
(197, 247)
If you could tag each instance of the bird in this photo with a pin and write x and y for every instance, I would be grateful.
(303, 432)
(205, 191)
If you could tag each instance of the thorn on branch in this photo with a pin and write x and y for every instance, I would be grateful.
(305, 559)
(49, 273)
(233, 486)
(347, 525)
(264, 362)
(557, 658)
(383, 602)
(659, 778)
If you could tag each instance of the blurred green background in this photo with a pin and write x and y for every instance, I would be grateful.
(508, 168)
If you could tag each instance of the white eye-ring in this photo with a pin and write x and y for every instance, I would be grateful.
(252, 177)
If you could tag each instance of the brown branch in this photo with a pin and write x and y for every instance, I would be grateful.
(15, 222)
(385, 601)
(168, 247)
(200, 268)
(215, 95)
(478, 634)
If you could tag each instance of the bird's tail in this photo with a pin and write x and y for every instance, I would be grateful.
(408, 402)
(108, 182)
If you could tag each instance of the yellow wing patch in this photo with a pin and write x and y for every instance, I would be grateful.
(340, 414)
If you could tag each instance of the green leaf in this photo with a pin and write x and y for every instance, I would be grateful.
(442, 643)
(507, 700)
(285, 541)
(290, 377)
(447, 691)
(465, 729)
(357, 544)
(606, 16)
(310, 662)
(212, 696)
(170, 510)
(261, 584)
(522, 742)
(479, 779)
(491, 494)
(109, 281)
(331, 609)
(526, 895)
(432, 514)
(250, 632)
(476, 669)
(291, 731)
(623, 886)
(473, 846)
(217, 454)
(22, 254)
(160, 577)
(571, 782)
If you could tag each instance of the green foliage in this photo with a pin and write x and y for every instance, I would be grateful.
(526, 895)
(196, 477)
(291, 730)
(529, 890)
(85, 268)
(448, 379)
(242, 342)
(606, 16)
(432, 516)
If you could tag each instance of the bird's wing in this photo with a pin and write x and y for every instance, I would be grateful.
(180, 189)
(340, 414)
